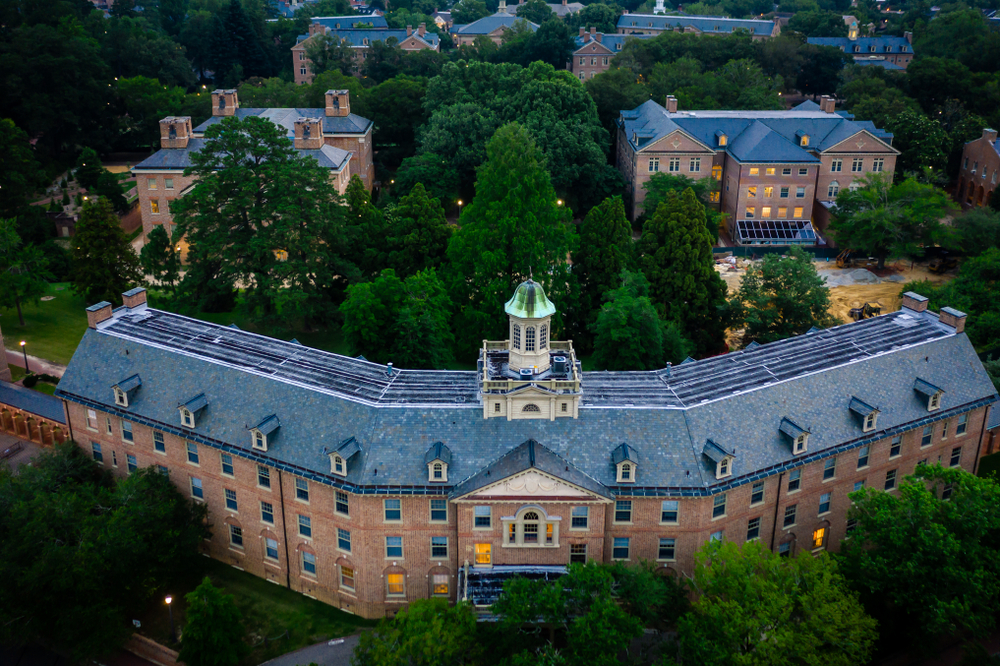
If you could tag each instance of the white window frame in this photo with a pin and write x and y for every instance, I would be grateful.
(627, 471)
(121, 397)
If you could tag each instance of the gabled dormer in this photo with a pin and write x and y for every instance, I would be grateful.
(260, 432)
(190, 410)
(798, 437)
(931, 392)
(626, 462)
(721, 458)
(865, 412)
(437, 459)
(721, 139)
(339, 458)
(802, 138)
(125, 390)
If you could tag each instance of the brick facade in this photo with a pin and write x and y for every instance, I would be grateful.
(414, 40)
(979, 171)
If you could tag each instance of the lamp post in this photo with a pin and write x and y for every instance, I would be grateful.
(25, 352)
(173, 633)
(460, 208)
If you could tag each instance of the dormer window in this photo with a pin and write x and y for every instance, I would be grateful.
(934, 402)
(799, 437)
(803, 138)
(931, 392)
(338, 465)
(867, 413)
(625, 472)
(626, 461)
(262, 432)
(125, 390)
(721, 138)
(437, 459)
(189, 410)
(338, 459)
(259, 440)
(121, 398)
(187, 418)
(721, 459)
(800, 443)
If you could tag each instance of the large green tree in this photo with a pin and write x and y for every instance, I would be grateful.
(418, 234)
(20, 172)
(428, 632)
(104, 264)
(160, 260)
(514, 229)
(978, 230)
(675, 254)
(434, 173)
(925, 557)
(779, 298)
(213, 635)
(660, 183)
(818, 24)
(921, 141)
(884, 219)
(754, 608)
(23, 270)
(467, 11)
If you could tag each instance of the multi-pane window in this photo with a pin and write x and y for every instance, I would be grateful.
(623, 511)
(114, 458)
(578, 553)
(852, 524)
(857, 165)
(787, 171)
(270, 548)
(343, 539)
(890, 479)
(719, 505)
(393, 510)
(946, 491)
(769, 191)
(302, 490)
(757, 493)
(309, 563)
(754, 171)
(395, 584)
(236, 536)
(579, 517)
(878, 164)
(753, 528)
(192, 453)
(675, 164)
(927, 436)
(782, 212)
(163, 470)
(619, 550)
(107, 424)
(800, 193)
(751, 192)
(790, 512)
(482, 516)
(439, 510)
(944, 430)
(158, 444)
(750, 212)
(516, 337)
(804, 171)
(483, 553)
(227, 464)
(863, 454)
(769, 171)
(91, 419)
(347, 577)
(833, 190)
(154, 206)
(267, 513)
(263, 477)
(668, 511)
(715, 536)
(765, 212)
(784, 193)
(654, 164)
(785, 549)
(956, 456)
(127, 431)
(439, 582)
(819, 537)
(794, 480)
(231, 503)
(196, 488)
(150, 183)
(897, 444)
(963, 424)
(131, 463)
(394, 546)
(305, 526)
(439, 546)
(836, 165)
(342, 503)
(666, 550)
(829, 468)
(797, 212)
(168, 183)
(543, 341)
(695, 164)
(824, 503)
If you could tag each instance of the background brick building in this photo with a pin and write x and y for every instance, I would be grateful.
(980, 170)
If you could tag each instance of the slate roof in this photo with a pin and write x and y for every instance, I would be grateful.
(324, 399)
(758, 136)
(562, 11)
(350, 124)
(613, 42)
(708, 24)
(884, 64)
(348, 22)
(43, 405)
(356, 38)
(488, 24)
(330, 157)
(864, 45)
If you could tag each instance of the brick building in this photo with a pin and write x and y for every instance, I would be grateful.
(359, 32)
(368, 486)
(772, 167)
(594, 51)
(655, 24)
(980, 170)
(893, 52)
(492, 27)
(336, 138)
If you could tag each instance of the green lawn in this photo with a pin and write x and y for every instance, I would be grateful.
(268, 610)
(16, 372)
(989, 464)
(52, 328)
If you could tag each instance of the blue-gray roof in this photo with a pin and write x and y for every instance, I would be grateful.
(612, 41)
(348, 22)
(132, 382)
(715, 453)
(488, 24)
(34, 402)
(926, 388)
(709, 24)
(357, 37)
(861, 407)
(664, 417)
(865, 45)
(285, 117)
(791, 428)
(884, 64)
(327, 156)
(196, 403)
(268, 425)
(438, 451)
(760, 143)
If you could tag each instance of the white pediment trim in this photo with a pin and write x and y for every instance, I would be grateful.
(652, 147)
(532, 483)
(850, 145)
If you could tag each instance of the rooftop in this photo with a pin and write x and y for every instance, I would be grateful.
(285, 117)
(180, 158)
(716, 24)
(488, 24)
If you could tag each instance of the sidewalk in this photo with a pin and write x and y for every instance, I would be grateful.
(328, 653)
(35, 364)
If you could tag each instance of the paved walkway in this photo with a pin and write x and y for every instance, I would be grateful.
(35, 364)
(28, 451)
(329, 653)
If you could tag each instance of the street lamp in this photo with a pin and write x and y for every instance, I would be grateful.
(559, 202)
(173, 633)
(460, 208)
(25, 352)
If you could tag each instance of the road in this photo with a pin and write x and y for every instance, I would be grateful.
(323, 654)
(35, 364)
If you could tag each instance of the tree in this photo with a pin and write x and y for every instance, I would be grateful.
(396, 106)
(428, 632)
(779, 298)
(145, 101)
(925, 559)
(629, 334)
(132, 48)
(818, 24)
(237, 52)
(675, 254)
(978, 230)
(88, 168)
(23, 270)
(418, 234)
(601, 16)
(660, 183)
(366, 229)
(432, 171)
(104, 262)
(921, 141)
(402, 321)
(20, 172)
(535, 11)
(329, 52)
(213, 635)
(468, 11)
(884, 219)
(753, 608)
(159, 259)
(514, 229)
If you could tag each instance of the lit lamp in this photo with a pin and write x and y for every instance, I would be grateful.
(25, 352)
(460, 208)
(559, 202)
(173, 633)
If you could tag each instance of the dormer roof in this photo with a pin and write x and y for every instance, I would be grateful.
(791, 429)
(716, 453)
(196, 403)
(129, 384)
(926, 388)
(860, 407)
(268, 425)
(349, 447)
(623, 452)
(438, 451)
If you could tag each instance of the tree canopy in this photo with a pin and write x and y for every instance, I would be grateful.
(104, 263)
(428, 632)
(213, 635)
(23, 270)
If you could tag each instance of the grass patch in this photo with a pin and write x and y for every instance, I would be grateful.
(52, 328)
(16, 372)
(45, 387)
(135, 234)
(989, 465)
(268, 610)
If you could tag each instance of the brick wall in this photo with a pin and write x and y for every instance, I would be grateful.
(162, 195)
(979, 172)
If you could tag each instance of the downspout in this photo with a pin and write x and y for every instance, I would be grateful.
(982, 433)
(69, 423)
(777, 501)
(284, 532)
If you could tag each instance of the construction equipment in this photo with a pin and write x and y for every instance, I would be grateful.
(844, 259)
(942, 264)
(866, 311)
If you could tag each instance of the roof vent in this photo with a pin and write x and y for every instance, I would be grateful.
(526, 373)
(559, 365)
(388, 369)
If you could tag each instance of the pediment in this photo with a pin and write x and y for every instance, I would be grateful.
(532, 484)
(677, 141)
(862, 142)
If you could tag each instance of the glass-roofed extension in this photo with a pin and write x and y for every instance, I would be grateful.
(775, 232)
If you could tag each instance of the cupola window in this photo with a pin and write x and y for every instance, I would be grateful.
(529, 338)
(543, 337)
(517, 337)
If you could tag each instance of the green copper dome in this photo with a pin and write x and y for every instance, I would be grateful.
(529, 302)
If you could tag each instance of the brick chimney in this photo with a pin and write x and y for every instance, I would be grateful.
(593, 31)
(338, 103)
(97, 313)
(827, 104)
(133, 298)
(583, 31)
(952, 317)
(915, 302)
(908, 36)
(599, 36)
(409, 30)
(308, 134)
(564, 3)
(990, 134)
(317, 29)
(175, 131)
(671, 105)
(224, 102)
(422, 29)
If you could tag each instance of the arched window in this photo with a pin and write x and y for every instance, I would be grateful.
(531, 527)
(529, 339)
(543, 337)
(172, 132)
(517, 337)
(855, 185)
(438, 471)
(724, 467)
(531, 408)
(833, 190)
(626, 472)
